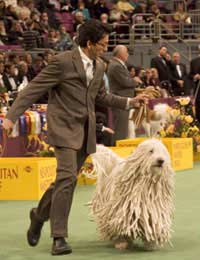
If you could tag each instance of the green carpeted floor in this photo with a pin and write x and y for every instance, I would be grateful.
(84, 239)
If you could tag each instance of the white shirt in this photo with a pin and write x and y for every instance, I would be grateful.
(88, 66)
(12, 83)
(179, 70)
(89, 70)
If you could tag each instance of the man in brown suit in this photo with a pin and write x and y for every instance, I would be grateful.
(73, 91)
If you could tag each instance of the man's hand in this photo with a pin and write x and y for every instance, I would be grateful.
(7, 125)
(139, 100)
(180, 83)
(196, 77)
(108, 130)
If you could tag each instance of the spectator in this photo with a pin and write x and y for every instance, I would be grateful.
(78, 20)
(121, 84)
(178, 75)
(3, 34)
(162, 62)
(22, 9)
(81, 8)
(11, 81)
(31, 38)
(65, 41)
(100, 7)
(15, 35)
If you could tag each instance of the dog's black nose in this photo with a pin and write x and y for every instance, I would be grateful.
(160, 162)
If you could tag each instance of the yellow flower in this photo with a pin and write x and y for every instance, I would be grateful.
(188, 119)
(183, 101)
(51, 149)
(184, 134)
(175, 112)
(170, 129)
(162, 133)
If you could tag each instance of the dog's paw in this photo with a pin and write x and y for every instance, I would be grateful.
(121, 245)
(150, 246)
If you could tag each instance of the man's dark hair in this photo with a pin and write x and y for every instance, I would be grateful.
(92, 30)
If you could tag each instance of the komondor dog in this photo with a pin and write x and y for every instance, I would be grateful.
(134, 196)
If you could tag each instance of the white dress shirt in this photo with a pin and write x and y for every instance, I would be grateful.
(88, 66)
(179, 70)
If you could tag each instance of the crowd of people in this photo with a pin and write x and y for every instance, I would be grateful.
(167, 74)
(54, 23)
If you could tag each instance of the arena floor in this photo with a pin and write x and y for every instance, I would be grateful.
(84, 239)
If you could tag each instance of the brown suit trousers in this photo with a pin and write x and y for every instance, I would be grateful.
(57, 200)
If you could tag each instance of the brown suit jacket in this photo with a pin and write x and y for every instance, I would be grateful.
(71, 102)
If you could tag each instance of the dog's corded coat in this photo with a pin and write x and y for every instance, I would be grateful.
(134, 196)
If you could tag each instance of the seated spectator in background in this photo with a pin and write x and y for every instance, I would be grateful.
(38, 64)
(79, 19)
(35, 17)
(3, 34)
(181, 15)
(81, 8)
(99, 8)
(65, 41)
(10, 16)
(125, 6)
(31, 72)
(2, 87)
(15, 35)
(22, 9)
(52, 39)
(11, 81)
(154, 80)
(44, 22)
(2, 8)
(23, 75)
(31, 37)
(47, 57)
(115, 15)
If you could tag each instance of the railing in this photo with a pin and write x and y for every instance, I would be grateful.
(165, 26)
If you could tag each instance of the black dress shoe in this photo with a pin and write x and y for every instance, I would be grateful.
(60, 247)
(34, 231)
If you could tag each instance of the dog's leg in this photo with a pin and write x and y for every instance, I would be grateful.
(147, 128)
(121, 244)
(150, 246)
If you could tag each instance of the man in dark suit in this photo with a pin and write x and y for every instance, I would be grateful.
(162, 63)
(195, 77)
(10, 80)
(178, 76)
(121, 83)
(73, 90)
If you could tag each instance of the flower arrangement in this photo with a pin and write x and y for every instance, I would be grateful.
(182, 122)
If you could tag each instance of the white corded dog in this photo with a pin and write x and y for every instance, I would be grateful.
(134, 196)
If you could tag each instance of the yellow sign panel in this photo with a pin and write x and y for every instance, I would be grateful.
(180, 149)
(25, 178)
